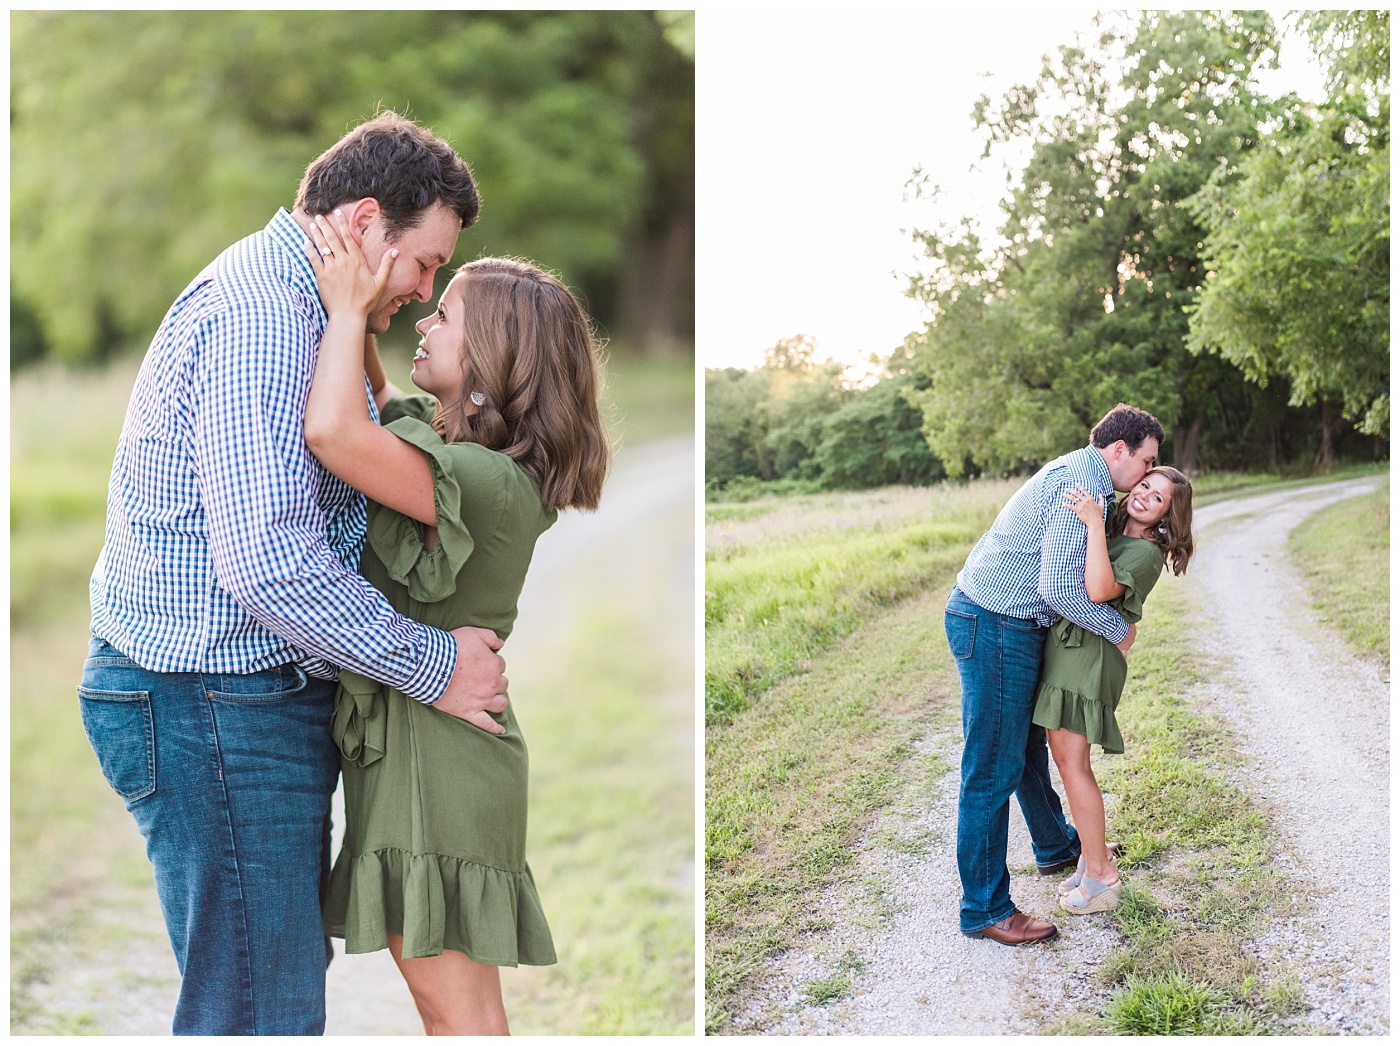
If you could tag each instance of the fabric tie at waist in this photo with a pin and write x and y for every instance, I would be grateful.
(359, 726)
(1068, 633)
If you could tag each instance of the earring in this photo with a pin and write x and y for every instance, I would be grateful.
(479, 398)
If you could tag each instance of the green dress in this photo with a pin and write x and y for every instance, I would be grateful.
(1083, 673)
(435, 807)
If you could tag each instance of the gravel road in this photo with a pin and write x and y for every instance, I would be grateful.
(1315, 726)
(638, 548)
(1309, 766)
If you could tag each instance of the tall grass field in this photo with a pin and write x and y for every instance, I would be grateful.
(612, 825)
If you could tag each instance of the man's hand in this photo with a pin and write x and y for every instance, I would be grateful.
(1127, 640)
(477, 685)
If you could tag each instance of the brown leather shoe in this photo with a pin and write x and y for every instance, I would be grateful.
(1017, 928)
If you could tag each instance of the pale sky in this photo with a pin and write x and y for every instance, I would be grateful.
(809, 125)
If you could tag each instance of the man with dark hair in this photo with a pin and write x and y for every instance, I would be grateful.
(226, 597)
(1027, 570)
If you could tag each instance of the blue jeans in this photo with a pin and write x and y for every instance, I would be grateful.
(229, 778)
(998, 659)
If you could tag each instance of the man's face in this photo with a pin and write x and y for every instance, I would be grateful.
(422, 249)
(1127, 469)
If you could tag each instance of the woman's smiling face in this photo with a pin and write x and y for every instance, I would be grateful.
(440, 365)
(1149, 500)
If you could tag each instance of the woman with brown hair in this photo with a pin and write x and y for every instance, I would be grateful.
(462, 481)
(1082, 676)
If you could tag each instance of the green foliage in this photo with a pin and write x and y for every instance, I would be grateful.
(793, 420)
(26, 336)
(746, 488)
(1299, 248)
(797, 419)
(734, 424)
(876, 440)
(145, 142)
(1081, 308)
(1354, 46)
(1085, 301)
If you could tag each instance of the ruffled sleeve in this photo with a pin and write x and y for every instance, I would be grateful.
(1136, 567)
(431, 575)
(424, 408)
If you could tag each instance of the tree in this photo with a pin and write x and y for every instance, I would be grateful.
(802, 403)
(1082, 303)
(794, 418)
(144, 142)
(876, 439)
(736, 425)
(1299, 243)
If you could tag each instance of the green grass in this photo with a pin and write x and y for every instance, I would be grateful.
(1172, 1005)
(1344, 551)
(837, 985)
(613, 871)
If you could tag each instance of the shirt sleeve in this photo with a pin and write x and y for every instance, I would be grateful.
(267, 535)
(1061, 581)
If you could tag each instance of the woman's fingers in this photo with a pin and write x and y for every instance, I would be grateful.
(318, 246)
(485, 722)
(386, 266)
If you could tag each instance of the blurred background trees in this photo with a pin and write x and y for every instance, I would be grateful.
(142, 143)
(1177, 240)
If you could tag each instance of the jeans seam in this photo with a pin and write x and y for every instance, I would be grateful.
(245, 945)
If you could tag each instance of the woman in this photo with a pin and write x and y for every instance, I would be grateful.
(462, 482)
(1083, 674)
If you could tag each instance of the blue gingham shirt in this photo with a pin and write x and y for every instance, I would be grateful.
(1030, 564)
(228, 547)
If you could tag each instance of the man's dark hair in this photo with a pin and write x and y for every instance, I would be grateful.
(393, 160)
(1130, 425)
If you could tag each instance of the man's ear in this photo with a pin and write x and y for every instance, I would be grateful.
(359, 215)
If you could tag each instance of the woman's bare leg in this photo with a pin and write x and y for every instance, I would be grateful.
(1071, 752)
(454, 995)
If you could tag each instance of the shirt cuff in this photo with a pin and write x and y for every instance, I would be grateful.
(1118, 633)
(429, 680)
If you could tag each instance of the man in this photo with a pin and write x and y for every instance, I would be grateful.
(226, 597)
(1027, 570)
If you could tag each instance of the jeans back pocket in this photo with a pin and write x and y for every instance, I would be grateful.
(121, 730)
(962, 632)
